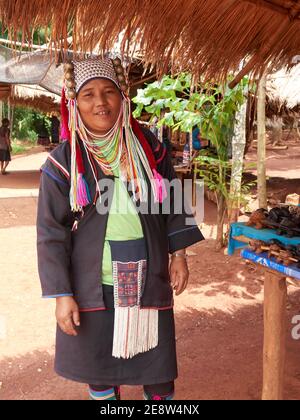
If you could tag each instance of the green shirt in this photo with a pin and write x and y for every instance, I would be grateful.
(123, 224)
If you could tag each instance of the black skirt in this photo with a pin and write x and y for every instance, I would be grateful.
(5, 156)
(88, 358)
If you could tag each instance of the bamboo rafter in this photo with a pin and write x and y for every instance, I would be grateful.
(287, 7)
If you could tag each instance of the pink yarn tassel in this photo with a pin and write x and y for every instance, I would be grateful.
(83, 195)
(64, 133)
(160, 186)
(64, 125)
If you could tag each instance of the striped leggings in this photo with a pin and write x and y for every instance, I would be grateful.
(151, 392)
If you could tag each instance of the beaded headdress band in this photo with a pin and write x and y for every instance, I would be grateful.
(77, 73)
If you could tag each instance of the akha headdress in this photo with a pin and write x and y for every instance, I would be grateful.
(137, 154)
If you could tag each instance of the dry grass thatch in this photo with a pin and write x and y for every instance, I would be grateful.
(283, 90)
(35, 97)
(283, 94)
(206, 37)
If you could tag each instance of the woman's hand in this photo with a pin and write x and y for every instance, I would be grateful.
(179, 274)
(67, 315)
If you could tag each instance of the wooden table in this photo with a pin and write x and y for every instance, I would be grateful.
(275, 326)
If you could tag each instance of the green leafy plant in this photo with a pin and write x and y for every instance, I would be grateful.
(176, 103)
(28, 124)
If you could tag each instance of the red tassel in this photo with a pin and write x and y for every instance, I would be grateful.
(159, 182)
(146, 146)
(79, 160)
(65, 131)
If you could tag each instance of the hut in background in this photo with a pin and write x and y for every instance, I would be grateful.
(35, 97)
(283, 101)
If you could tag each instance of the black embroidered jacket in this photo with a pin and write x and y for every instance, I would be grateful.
(70, 262)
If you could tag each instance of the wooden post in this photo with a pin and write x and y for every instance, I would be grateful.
(11, 119)
(261, 143)
(274, 335)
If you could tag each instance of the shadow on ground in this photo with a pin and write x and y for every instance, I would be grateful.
(220, 357)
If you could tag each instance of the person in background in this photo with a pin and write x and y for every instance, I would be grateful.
(42, 132)
(5, 146)
(55, 124)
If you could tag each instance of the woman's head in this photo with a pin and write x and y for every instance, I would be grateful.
(5, 122)
(99, 102)
(97, 84)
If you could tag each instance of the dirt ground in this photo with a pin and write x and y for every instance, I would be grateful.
(219, 319)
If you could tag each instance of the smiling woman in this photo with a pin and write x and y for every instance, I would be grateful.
(110, 272)
(99, 103)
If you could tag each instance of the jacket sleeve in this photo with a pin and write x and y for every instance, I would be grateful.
(54, 219)
(180, 233)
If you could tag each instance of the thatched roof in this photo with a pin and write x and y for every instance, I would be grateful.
(207, 37)
(30, 96)
(35, 97)
(283, 90)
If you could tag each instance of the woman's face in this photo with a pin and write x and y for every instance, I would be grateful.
(99, 103)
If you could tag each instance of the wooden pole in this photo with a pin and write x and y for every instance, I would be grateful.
(12, 114)
(8, 110)
(261, 143)
(274, 335)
